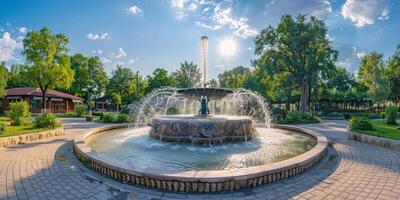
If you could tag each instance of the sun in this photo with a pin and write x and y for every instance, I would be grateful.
(227, 47)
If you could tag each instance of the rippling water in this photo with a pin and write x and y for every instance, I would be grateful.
(133, 148)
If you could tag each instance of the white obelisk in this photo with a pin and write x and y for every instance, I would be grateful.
(203, 58)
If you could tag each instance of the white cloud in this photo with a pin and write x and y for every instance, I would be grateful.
(119, 53)
(360, 55)
(22, 29)
(104, 60)
(365, 12)
(211, 27)
(223, 17)
(8, 46)
(134, 10)
(131, 61)
(104, 36)
(192, 6)
(178, 5)
(97, 51)
(317, 8)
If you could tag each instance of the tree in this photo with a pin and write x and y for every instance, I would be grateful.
(393, 73)
(188, 75)
(159, 79)
(90, 78)
(18, 76)
(3, 79)
(233, 78)
(212, 83)
(372, 74)
(47, 60)
(298, 46)
(120, 84)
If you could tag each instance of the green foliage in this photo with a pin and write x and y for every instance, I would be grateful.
(45, 121)
(299, 47)
(391, 114)
(108, 118)
(278, 114)
(372, 74)
(18, 76)
(48, 63)
(3, 79)
(296, 117)
(360, 123)
(90, 79)
(2, 128)
(89, 118)
(172, 111)
(335, 115)
(19, 112)
(383, 115)
(188, 75)
(99, 114)
(80, 109)
(393, 73)
(233, 78)
(123, 118)
(159, 79)
(368, 115)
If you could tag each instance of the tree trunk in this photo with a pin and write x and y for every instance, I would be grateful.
(287, 105)
(303, 95)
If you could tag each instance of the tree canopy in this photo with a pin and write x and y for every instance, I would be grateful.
(188, 75)
(48, 63)
(3, 78)
(299, 47)
(160, 78)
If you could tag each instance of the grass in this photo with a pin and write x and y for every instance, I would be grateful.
(383, 130)
(19, 130)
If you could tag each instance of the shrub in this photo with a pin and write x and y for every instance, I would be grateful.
(360, 123)
(19, 112)
(45, 121)
(70, 114)
(391, 114)
(108, 118)
(123, 118)
(278, 113)
(172, 111)
(89, 118)
(296, 117)
(335, 115)
(80, 110)
(2, 127)
(382, 114)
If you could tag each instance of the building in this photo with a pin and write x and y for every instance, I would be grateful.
(56, 101)
(105, 104)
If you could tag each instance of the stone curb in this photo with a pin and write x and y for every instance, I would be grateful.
(373, 140)
(203, 181)
(30, 137)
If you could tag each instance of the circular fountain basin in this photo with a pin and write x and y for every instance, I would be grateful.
(132, 156)
(203, 130)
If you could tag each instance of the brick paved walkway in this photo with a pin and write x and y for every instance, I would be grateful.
(49, 170)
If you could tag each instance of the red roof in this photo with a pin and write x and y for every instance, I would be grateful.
(29, 91)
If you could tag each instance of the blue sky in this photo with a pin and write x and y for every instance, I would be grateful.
(145, 35)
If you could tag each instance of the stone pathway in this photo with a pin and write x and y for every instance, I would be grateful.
(49, 170)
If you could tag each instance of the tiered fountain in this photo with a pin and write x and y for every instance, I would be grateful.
(172, 143)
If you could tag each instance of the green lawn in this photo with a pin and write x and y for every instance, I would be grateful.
(383, 130)
(19, 130)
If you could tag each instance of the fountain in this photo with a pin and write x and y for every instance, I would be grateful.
(200, 139)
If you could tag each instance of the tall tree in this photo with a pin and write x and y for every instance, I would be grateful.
(188, 75)
(3, 79)
(47, 60)
(18, 77)
(120, 83)
(393, 70)
(372, 74)
(233, 78)
(298, 46)
(159, 79)
(90, 77)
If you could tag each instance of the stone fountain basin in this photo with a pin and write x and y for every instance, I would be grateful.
(197, 129)
(202, 181)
